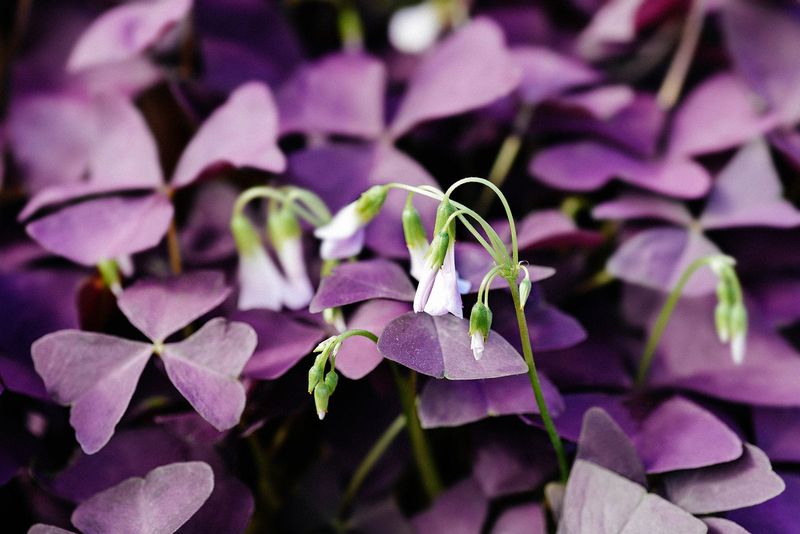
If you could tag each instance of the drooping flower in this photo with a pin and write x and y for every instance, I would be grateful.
(343, 237)
(480, 323)
(261, 284)
(285, 235)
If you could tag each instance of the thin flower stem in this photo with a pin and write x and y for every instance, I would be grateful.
(357, 332)
(544, 412)
(507, 155)
(374, 455)
(351, 30)
(271, 193)
(431, 481)
(174, 249)
(671, 87)
(664, 316)
(460, 215)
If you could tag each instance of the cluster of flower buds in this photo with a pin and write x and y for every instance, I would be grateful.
(438, 290)
(730, 314)
(263, 284)
(322, 384)
(343, 236)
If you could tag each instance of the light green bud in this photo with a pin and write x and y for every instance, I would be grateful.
(322, 394)
(370, 202)
(413, 229)
(480, 320)
(282, 224)
(245, 234)
(722, 316)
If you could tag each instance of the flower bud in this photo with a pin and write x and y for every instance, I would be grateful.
(443, 212)
(322, 394)
(480, 323)
(332, 380)
(370, 202)
(324, 344)
(413, 228)
(524, 289)
(722, 315)
(438, 249)
(245, 234)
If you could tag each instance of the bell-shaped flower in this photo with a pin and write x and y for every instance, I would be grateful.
(480, 323)
(343, 237)
(261, 284)
(416, 238)
(285, 234)
(444, 295)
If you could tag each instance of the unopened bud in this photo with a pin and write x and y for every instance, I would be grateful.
(413, 228)
(282, 225)
(245, 234)
(370, 202)
(524, 289)
(443, 213)
(438, 249)
(322, 394)
(324, 344)
(722, 315)
(480, 320)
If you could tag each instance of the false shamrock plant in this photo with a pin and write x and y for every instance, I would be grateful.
(96, 374)
(438, 292)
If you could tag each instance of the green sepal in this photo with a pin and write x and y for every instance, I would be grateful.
(480, 320)
(370, 202)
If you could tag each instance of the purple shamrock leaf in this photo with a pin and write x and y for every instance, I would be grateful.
(761, 37)
(159, 503)
(778, 433)
(47, 529)
(460, 510)
(205, 368)
(551, 228)
(359, 356)
(440, 347)
(717, 525)
(104, 228)
(243, 132)
(126, 31)
(546, 73)
(600, 501)
(468, 70)
(776, 515)
(364, 280)
(341, 93)
(94, 373)
(524, 519)
(282, 343)
(604, 443)
(160, 308)
(458, 402)
(744, 482)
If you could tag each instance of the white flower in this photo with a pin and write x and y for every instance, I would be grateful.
(414, 29)
(417, 255)
(343, 237)
(477, 345)
(443, 296)
(738, 345)
(298, 291)
(260, 283)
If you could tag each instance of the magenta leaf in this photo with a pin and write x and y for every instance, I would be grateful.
(96, 374)
(364, 280)
(158, 504)
(205, 368)
(468, 70)
(104, 228)
(340, 93)
(126, 31)
(744, 482)
(529, 518)
(440, 347)
(462, 508)
(600, 501)
(160, 308)
(243, 132)
(604, 443)
(546, 73)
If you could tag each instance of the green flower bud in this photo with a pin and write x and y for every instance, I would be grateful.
(331, 380)
(314, 376)
(443, 212)
(438, 249)
(282, 225)
(525, 289)
(324, 344)
(413, 229)
(722, 315)
(370, 202)
(480, 320)
(322, 394)
(245, 234)
(738, 319)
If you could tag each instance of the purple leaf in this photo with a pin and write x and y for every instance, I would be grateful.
(359, 356)
(458, 402)
(776, 515)
(282, 343)
(94, 373)
(104, 228)
(717, 115)
(126, 31)
(364, 280)
(588, 165)
(205, 368)
(778, 433)
(159, 503)
(638, 206)
(744, 482)
(546, 73)
(440, 347)
(512, 459)
(160, 308)
(604, 443)
(600, 501)
(468, 70)
(657, 258)
(341, 93)
(460, 510)
(762, 38)
(679, 434)
(551, 228)
(47, 529)
(523, 519)
(600, 103)
(748, 192)
(243, 132)
(717, 525)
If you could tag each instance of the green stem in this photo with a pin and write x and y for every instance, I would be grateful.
(109, 272)
(368, 463)
(544, 412)
(671, 87)
(419, 444)
(508, 153)
(663, 318)
(351, 30)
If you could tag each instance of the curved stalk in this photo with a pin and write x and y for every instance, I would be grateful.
(671, 86)
(536, 385)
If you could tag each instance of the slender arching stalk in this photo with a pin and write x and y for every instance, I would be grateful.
(664, 315)
(671, 86)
